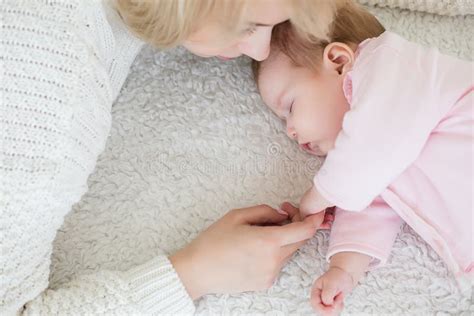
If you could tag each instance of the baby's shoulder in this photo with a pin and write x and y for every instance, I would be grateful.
(389, 48)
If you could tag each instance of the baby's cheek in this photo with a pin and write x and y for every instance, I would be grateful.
(326, 146)
(320, 151)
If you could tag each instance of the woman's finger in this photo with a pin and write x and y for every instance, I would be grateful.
(293, 212)
(295, 232)
(326, 225)
(258, 215)
(288, 250)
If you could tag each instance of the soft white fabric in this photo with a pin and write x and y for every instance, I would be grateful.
(191, 139)
(62, 64)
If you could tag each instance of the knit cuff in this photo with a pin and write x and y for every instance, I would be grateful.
(440, 7)
(379, 258)
(157, 289)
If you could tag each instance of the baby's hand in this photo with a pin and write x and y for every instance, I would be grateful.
(328, 291)
(312, 202)
(324, 221)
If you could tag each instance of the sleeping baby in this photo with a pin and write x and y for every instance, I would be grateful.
(395, 122)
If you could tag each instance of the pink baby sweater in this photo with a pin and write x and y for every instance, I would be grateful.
(404, 154)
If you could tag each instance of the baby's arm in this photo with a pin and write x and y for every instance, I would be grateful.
(345, 271)
(359, 242)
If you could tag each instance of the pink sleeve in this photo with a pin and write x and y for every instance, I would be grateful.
(371, 232)
(396, 103)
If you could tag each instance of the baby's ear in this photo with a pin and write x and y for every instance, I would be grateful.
(338, 57)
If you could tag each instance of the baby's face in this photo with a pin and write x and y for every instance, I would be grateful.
(312, 104)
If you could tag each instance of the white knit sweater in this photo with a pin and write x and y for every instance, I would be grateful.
(441, 7)
(62, 63)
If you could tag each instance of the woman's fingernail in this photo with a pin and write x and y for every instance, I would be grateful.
(282, 212)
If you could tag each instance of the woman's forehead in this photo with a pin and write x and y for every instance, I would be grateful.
(266, 12)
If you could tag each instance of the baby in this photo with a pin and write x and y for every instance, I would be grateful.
(395, 122)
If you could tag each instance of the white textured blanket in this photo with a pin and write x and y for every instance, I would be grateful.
(191, 140)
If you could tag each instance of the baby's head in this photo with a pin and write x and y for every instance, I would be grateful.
(302, 81)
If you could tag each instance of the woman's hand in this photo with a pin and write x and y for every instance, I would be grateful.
(243, 251)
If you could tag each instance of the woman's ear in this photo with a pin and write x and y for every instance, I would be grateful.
(338, 57)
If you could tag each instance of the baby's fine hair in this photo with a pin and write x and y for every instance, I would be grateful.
(352, 24)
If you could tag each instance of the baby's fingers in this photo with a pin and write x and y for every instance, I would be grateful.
(317, 303)
(338, 303)
(328, 218)
(329, 293)
(339, 299)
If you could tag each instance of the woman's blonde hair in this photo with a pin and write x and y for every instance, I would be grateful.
(167, 23)
(352, 24)
(312, 18)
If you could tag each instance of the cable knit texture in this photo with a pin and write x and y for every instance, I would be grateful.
(441, 7)
(190, 139)
(63, 63)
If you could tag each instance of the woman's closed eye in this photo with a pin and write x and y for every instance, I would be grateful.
(291, 107)
(252, 29)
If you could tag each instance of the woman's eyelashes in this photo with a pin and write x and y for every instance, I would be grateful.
(252, 29)
(291, 107)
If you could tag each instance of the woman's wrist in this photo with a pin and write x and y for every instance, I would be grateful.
(184, 266)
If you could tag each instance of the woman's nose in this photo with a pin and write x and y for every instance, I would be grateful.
(257, 46)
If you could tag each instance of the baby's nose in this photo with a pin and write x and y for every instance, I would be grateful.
(291, 133)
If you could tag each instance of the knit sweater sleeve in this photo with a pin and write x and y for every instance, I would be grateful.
(29, 223)
(62, 63)
(440, 7)
(151, 288)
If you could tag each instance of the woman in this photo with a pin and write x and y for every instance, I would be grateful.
(63, 64)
